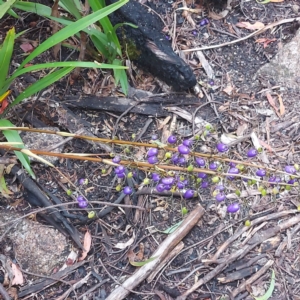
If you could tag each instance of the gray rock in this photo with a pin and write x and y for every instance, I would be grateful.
(284, 69)
(38, 248)
(44, 141)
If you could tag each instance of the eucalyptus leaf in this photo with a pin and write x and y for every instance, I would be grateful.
(172, 228)
(270, 290)
(141, 263)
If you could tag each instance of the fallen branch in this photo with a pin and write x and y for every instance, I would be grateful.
(255, 240)
(250, 280)
(162, 251)
(245, 228)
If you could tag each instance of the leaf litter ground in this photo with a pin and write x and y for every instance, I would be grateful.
(238, 92)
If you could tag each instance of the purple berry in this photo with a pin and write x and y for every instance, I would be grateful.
(155, 177)
(204, 184)
(261, 173)
(220, 187)
(220, 197)
(154, 137)
(82, 204)
(120, 169)
(180, 185)
(160, 188)
(222, 147)
(116, 159)
(291, 181)
(232, 164)
(252, 153)
(233, 171)
(175, 158)
(121, 175)
(202, 175)
(168, 37)
(127, 190)
(204, 22)
(181, 161)
(82, 181)
(200, 162)
(213, 166)
(233, 208)
(274, 179)
(168, 180)
(168, 187)
(290, 169)
(188, 143)
(152, 160)
(211, 82)
(194, 32)
(188, 194)
(80, 198)
(152, 152)
(182, 149)
(172, 139)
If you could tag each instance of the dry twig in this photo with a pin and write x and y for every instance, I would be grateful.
(162, 251)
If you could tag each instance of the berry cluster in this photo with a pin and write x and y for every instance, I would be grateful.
(191, 174)
(190, 183)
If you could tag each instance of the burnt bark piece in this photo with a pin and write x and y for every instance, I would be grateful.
(148, 47)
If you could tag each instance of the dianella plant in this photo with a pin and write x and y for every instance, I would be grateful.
(103, 37)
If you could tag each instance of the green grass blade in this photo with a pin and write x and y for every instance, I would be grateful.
(71, 29)
(71, 7)
(5, 7)
(39, 9)
(5, 55)
(121, 76)
(13, 136)
(97, 5)
(41, 84)
(74, 64)
(99, 45)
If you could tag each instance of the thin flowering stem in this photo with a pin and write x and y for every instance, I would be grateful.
(121, 142)
(149, 167)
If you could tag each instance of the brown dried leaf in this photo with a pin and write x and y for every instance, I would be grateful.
(247, 25)
(87, 242)
(27, 47)
(228, 90)
(265, 145)
(18, 276)
(215, 16)
(272, 103)
(265, 41)
(140, 254)
(131, 255)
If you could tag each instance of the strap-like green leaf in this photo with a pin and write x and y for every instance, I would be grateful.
(5, 7)
(39, 9)
(72, 7)
(13, 136)
(5, 55)
(41, 84)
(71, 29)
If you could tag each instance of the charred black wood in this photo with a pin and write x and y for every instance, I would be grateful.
(148, 46)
